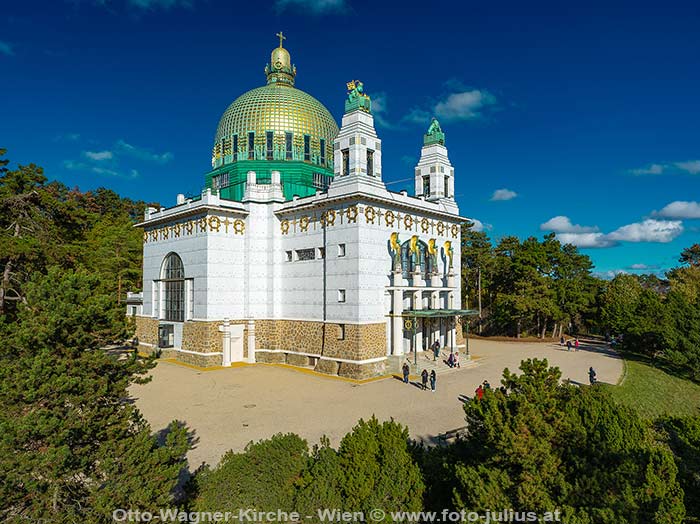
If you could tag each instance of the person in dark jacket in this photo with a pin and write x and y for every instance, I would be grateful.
(406, 371)
(433, 380)
(424, 379)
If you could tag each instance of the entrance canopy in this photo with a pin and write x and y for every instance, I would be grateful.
(440, 313)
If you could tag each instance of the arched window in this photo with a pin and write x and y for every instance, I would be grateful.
(409, 262)
(173, 278)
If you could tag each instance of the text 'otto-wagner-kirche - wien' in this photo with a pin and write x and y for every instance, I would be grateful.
(295, 252)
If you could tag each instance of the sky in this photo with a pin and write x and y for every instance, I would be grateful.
(581, 119)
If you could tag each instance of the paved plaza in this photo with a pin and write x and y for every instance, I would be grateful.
(227, 408)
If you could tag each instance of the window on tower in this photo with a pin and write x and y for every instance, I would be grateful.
(323, 152)
(251, 145)
(268, 144)
(426, 186)
(307, 148)
(235, 147)
(346, 162)
(288, 145)
(370, 162)
(447, 187)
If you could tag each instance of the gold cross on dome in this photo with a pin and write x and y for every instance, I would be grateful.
(281, 37)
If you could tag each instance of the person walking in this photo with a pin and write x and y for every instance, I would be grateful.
(568, 345)
(479, 393)
(592, 375)
(486, 385)
(433, 380)
(436, 350)
(424, 379)
(576, 344)
(561, 340)
(406, 371)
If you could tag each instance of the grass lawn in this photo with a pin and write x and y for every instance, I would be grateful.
(653, 392)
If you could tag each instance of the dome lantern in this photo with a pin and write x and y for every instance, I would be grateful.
(280, 70)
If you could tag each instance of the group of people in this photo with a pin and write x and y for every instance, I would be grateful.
(479, 393)
(424, 376)
(569, 345)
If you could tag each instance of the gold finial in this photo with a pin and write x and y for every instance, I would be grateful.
(281, 37)
(351, 85)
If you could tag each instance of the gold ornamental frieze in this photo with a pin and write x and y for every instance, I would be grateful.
(213, 224)
(371, 215)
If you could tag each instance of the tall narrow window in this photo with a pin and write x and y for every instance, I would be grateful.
(346, 162)
(323, 151)
(173, 278)
(235, 147)
(288, 145)
(426, 186)
(370, 162)
(307, 148)
(268, 145)
(447, 187)
(251, 146)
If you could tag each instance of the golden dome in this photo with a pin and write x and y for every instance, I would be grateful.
(280, 108)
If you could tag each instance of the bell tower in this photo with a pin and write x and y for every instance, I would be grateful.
(357, 150)
(434, 176)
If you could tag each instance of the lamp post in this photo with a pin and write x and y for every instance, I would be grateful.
(411, 324)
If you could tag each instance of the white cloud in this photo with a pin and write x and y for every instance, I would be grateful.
(99, 155)
(691, 166)
(503, 194)
(562, 224)
(479, 225)
(6, 49)
(314, 7)
(583, 240)
(466, 105)
(680, 209)
(649, 230)
(609, 275)
(641, 267)
(380, 109)
(98, 170)
(143, 154)
(653, 169)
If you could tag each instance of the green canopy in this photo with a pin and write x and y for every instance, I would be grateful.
(439, 313)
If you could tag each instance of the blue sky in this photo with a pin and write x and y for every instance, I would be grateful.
(579, 120)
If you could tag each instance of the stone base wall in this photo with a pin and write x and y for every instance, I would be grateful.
(146, 330)
(202, 361)
(361, 371)
(361, 341)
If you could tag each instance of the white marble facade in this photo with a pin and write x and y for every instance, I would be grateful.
(326, 257)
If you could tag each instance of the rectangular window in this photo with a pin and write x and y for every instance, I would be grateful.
(341, 331)
(447, 187)
(346, 162)
(321, 181)
(235, 147)
(268, 145)
(251, 145)
(288, 145)
(306, 254)
(220, 181)
(323, 151)
(370, 162)
(289, 256)
(307, 148)
(321, 252)
(133, 311)
(341, 295)
(341, 250)
(426, 186)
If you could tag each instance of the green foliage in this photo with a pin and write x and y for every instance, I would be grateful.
(683, 434)
(261, 477)
(543, 445)
(46, 224)
(71, 446)
(691, 255)
(372, 468)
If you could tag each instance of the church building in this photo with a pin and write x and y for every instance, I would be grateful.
(296, 252)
